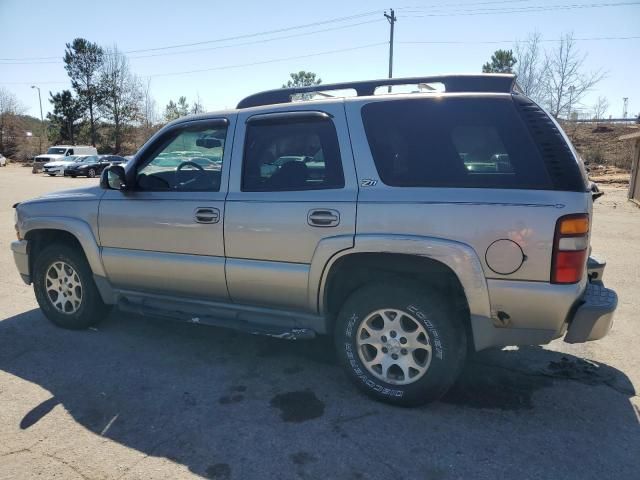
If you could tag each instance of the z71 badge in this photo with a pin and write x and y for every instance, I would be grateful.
(368, 182)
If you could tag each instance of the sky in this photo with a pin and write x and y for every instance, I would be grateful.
(227, 55)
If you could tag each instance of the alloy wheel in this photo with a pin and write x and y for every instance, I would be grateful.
(63, 287)
(394, 346)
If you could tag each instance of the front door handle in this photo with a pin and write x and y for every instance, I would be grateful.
(323, 218)
(207, 215)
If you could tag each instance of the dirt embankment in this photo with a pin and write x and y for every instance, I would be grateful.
(607, 158)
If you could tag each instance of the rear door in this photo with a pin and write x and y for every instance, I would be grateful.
(166, 234)
(292, 188)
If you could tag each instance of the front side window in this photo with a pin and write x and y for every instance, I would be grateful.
(453, 142)
(188, 159)
(300, 154)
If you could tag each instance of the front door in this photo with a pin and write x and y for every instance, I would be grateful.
(292, 188)
(165, 235)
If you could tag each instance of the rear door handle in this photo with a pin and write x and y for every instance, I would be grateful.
(207, 215)
(323, 218)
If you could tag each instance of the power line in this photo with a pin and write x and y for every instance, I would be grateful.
(464, 4)
(423, 10)
(229, 67)
(253, 42)
(226, 39)
(433, 42)
(473, 42)
(274, 60)
(422, 13)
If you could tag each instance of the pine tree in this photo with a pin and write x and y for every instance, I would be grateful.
(502, 61)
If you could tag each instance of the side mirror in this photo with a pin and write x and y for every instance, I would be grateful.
(113, 178)
(596, 193)
(208, 142)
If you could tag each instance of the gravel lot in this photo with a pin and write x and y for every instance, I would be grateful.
(138, 398)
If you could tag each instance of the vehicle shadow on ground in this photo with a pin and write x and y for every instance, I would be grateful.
(226, 404)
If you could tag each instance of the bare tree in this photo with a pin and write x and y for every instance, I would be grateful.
(149, 107)
(149, 115)
(600, 108)
(11, 125)
(532, 67)
(566, 82)
(197, 106)
(122, 94)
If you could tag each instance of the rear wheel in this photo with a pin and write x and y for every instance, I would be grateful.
(64, 288)
(399, 343)
(91, 173)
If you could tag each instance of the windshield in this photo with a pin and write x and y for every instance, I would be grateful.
(57, 151)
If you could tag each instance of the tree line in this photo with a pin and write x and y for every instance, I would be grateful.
(111, 108)
(107, 100)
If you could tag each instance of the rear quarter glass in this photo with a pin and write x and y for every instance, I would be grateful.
(473, 142)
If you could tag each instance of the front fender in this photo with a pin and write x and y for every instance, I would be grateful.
(78, 228)
(459, 257)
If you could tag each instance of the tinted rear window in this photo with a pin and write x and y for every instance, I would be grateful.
(453, 142)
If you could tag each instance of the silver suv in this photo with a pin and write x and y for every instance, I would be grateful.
(413, 228)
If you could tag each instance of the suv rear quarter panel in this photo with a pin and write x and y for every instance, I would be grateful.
(473, 216)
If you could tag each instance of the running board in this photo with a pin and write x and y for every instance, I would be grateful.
(190, 315)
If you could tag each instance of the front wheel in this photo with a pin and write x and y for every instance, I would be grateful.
(51, 174)
(400, 343)
(64, 288)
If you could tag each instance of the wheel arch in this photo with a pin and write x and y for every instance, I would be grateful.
(448, 265)
(40, 232)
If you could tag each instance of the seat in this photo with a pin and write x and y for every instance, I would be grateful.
(291, 175)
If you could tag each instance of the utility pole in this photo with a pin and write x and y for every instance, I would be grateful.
(625, 103)
(571, 89)
(41, 121)
(392, 20)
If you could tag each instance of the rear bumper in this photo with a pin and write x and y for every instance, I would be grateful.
(21, 257)
(593, 318)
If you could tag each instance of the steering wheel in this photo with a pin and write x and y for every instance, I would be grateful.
(189, 163)
(187, 177)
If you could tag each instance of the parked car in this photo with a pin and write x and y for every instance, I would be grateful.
(54, 168)
(115, 159)
(440, 260)
(3, 160)
(92, 165)
(58, 152)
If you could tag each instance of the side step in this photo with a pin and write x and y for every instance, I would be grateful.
(282, 332)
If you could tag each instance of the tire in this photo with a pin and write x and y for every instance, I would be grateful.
(91, 173)
(88, 309)
(51, 174)
(405, 305)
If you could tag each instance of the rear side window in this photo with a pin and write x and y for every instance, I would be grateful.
(291, 155)
(453, 142)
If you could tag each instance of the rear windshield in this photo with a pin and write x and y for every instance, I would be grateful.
(453, 142)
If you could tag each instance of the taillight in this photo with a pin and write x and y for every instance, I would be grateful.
(570, 248)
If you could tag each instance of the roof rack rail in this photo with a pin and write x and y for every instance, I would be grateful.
(491, 82)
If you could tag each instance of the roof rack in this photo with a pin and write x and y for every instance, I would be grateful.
(492, 83)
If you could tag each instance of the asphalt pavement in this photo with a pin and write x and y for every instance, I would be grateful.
(141, 398)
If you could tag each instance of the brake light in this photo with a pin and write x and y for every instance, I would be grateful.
(570, 248)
